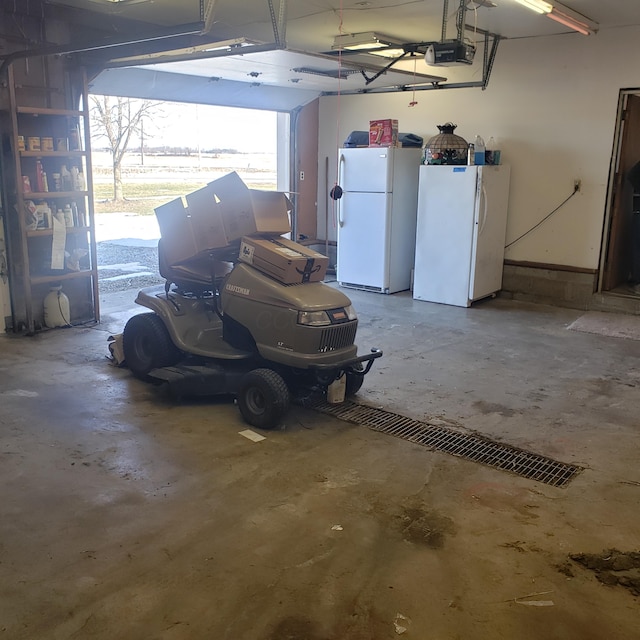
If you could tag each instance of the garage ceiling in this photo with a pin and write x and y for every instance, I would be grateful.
(277, 54)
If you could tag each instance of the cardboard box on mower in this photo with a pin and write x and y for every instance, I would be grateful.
(218, 215)
(285, 260)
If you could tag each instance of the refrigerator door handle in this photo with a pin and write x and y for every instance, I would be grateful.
(485, 206)
(340, 166)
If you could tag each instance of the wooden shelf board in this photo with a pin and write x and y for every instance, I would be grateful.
(49, 232)
(44, 111)
(44, 195)
(86, 273)
(53, 154)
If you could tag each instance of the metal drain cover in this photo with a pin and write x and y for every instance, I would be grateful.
(464, 445)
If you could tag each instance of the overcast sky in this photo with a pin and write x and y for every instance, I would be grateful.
(186, 125)
(221, 127)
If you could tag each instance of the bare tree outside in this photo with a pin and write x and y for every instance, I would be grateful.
(120, 121)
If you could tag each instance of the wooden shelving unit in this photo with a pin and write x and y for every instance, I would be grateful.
(52, 221)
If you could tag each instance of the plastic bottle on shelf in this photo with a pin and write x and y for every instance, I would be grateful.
(74, 178)
(74, 137)
(488, 154)
(479, 149)
(58, 214)
(65, 178)
(68, 215)
(39, 176)
(494, 147)
(74, 214)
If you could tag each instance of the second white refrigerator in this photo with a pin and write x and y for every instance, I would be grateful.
(460, 237)
(377, 217)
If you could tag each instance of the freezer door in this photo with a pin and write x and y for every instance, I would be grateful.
(444, 235)
(487, 261)
(363, 252)
(368, 170)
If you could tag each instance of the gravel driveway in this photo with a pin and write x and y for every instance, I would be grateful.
(127, 247)
(122, 267)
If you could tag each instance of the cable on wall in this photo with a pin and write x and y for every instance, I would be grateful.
(575, 190)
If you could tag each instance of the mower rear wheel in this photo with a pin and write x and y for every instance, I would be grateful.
(147, 345)
(263, 398)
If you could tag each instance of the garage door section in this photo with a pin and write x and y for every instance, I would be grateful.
(278, 80)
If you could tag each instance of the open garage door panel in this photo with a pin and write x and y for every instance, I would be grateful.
(278, 80)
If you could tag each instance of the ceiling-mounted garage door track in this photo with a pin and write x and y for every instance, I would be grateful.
(465, 445)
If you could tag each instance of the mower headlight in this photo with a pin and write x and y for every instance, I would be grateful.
(314, 318)
(351, 312)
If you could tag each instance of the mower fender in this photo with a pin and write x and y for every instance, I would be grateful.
(191, 323)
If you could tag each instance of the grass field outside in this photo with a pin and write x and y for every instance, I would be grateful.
(155, 180)
(140, 199)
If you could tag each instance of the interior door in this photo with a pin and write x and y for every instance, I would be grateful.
(617, 264)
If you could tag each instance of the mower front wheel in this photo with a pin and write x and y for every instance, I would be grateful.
(147, 345)
(263, 398)
(354, 380)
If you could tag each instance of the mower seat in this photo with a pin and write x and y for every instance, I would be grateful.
(196, 275)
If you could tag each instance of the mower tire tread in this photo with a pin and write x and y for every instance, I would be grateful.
(354, 381)
(263, 398)
(147, 345)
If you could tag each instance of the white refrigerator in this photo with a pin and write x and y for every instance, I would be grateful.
(377, 217)
(460, 236)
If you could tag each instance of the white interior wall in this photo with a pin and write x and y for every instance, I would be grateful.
(551, 105)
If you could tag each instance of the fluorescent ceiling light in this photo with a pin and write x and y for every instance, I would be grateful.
(367, 40)
(563, 15)
(390, 52)
(539, 6)
(236, 46)
(572, 19)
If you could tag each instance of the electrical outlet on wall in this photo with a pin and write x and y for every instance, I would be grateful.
(302, 175)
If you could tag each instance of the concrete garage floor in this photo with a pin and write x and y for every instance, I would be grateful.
(126, 516)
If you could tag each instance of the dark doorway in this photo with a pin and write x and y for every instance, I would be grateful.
(621, 272)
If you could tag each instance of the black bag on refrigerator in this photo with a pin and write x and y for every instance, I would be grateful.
(410, 140)
(361, 139)
(357, 139)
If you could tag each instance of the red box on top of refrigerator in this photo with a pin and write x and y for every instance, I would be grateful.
(383, 133)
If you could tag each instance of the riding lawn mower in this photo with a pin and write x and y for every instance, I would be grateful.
(244, 311)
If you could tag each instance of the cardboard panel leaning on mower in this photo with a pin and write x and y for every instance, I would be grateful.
(185, 236)
(217, 216)
(245, 211)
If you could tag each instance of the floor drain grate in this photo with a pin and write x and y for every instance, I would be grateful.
(465, 445)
